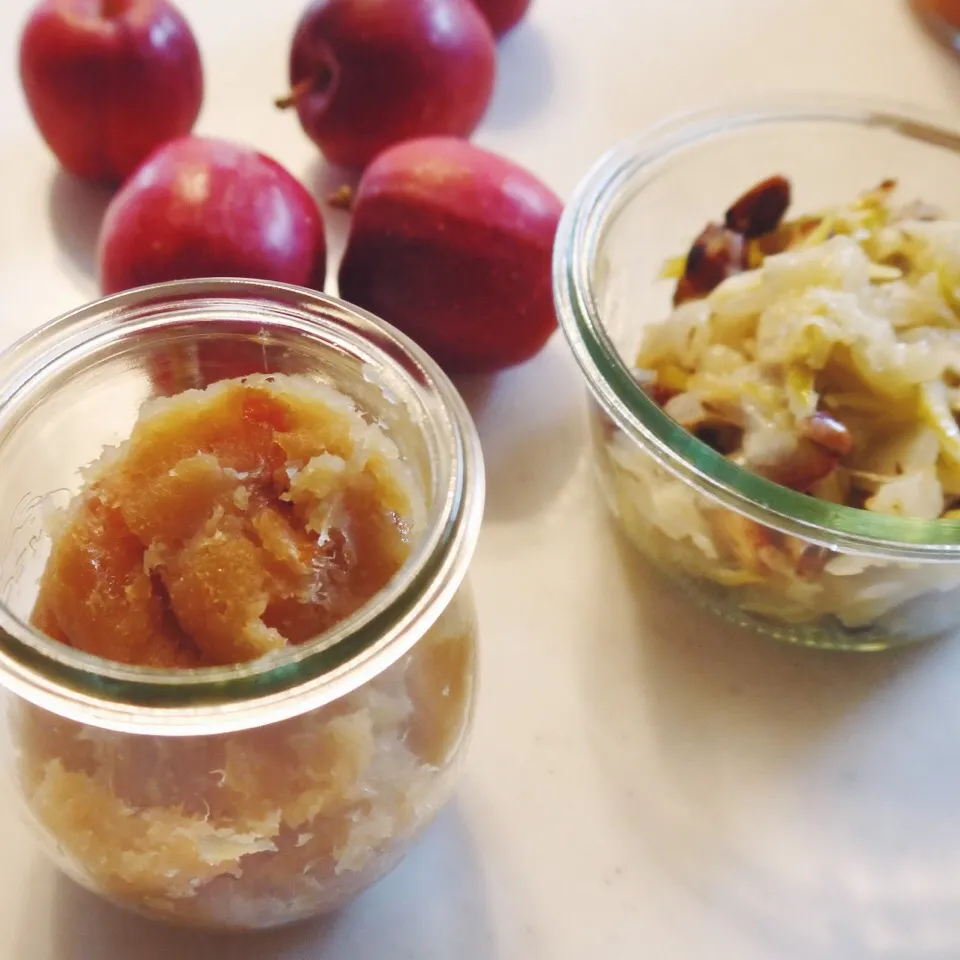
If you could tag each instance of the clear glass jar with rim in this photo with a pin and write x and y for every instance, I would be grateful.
(790, 566)
(253, 795)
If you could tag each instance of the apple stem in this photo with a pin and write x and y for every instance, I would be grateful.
(297, 92)
(341, 198)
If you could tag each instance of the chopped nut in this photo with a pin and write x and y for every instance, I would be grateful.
(824, 441)
(685, 291)
(716, 254)
(827, 432)
(813, 559)
(761, 208)
(807, 465)
(659, 393)
(725, 438)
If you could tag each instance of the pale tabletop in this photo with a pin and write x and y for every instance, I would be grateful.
(641, 782)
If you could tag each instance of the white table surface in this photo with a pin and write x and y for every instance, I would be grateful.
(642, 782)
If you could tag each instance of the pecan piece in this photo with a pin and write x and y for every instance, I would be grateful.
(659, 393)
(761, 208)
(813, 559)
(716, 254)
(807, 465)
(725, 438)
(824, 441)
(827, 432)
(685, 291)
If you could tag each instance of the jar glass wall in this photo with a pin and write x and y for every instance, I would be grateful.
(251, 795)
(755, 553)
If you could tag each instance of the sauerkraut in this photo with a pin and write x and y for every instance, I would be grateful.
(822, 352)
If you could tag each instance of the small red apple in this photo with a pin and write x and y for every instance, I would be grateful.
(200, 207)
(452, 244)
(503, 15)
(108, 81)
(365, 75)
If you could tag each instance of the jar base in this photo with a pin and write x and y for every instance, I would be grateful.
(315, 915)
(823, 633)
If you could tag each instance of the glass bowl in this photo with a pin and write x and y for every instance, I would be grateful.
(857, 580)
(247, 796)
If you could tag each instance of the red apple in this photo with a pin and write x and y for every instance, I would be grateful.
(366, 74)
(452, 245)
(503, 15)
(108, 81)
(200, 207)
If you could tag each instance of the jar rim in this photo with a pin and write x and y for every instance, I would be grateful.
(616, 178)
(189, 701)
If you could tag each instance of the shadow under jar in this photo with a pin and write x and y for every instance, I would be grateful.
(788, 565)
(255, 794)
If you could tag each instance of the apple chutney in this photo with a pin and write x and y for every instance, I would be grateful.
(241, 530)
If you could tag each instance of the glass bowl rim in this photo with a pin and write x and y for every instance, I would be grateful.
(88, 688)
(618, 176)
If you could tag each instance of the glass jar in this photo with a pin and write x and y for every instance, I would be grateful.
(755, 553)
(252, 795)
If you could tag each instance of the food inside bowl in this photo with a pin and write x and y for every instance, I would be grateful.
(823, 353)
(827, 356)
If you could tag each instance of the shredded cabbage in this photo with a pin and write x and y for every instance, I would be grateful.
(829, 361)
(857, 320)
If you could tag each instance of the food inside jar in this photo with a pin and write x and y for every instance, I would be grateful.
(821, 351)
(235, 522)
